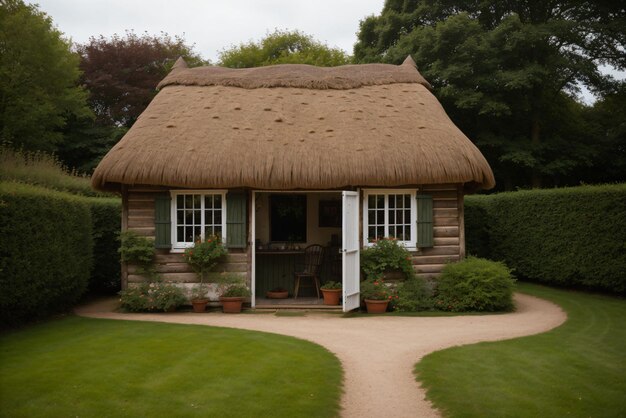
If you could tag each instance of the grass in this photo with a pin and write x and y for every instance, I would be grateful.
(43, 170)
(575, 370)
(90, 367)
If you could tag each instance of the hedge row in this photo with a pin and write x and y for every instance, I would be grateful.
(569, 237)
(53, 246)
(45, 251)
(106, 218)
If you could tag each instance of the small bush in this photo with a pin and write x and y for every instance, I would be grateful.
(140, 251)
(386, 255)
(45, 251)
(414, 295)
(151, 297)
(377, 289)
(475, 284)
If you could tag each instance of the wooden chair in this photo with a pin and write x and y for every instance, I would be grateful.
(313, 255)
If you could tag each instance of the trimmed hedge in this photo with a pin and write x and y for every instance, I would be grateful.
(106, 225)
(45, 251)
(572, 237)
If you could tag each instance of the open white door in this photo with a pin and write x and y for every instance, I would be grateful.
(350, 251)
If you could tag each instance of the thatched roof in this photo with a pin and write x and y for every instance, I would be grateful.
(293, 127)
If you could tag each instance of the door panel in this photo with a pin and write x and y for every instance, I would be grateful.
(350, 251)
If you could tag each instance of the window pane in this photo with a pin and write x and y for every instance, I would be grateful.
(400, 233)
(196, 201)
(208, 231)
(371, 217)
(217, 201)
(392, 217)
(188, 217)
(188, 201)
(400, 218)
(197, 220)
(399, 202)
(380, 201)
(218, 231)
(180, 234)
(188, 234)
(407, 216)
(217, 217)
(380, 217)
(196, 232)
(371, 232)
(371, 201)
(392, 231)
(392, 202)
(380, 231)
(208, 202)
(180, 217)
(407, 200)
(180, 201)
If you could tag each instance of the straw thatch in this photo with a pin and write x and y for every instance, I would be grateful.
(293, 127)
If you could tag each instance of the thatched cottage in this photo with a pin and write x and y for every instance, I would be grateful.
(277, 158)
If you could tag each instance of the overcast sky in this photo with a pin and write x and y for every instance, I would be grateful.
(212, 24)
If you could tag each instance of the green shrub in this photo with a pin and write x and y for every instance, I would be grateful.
(377, 289)
(475, 284)
(138, 250)
(45, 251)
(569, 237)
(43, 170)
(236, 290)
(151, 297)
(106, 272)
(414, 295)
(386, 255)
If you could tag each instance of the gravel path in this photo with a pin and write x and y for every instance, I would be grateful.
(377, 353)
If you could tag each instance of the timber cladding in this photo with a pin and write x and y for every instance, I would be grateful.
(448, 231)
(140, 216)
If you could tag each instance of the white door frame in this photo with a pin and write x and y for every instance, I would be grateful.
(253, 234)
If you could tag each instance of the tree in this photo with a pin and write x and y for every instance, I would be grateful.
(38, 75)
(121, 73)
(283, 47)
(508, 72)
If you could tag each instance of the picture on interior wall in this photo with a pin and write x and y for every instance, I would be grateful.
(330, 213)
(288, 218)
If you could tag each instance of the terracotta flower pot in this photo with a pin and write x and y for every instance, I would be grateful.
(199, 305)
(232, 304)
(277, 295)
(376, 306)
(331, 296)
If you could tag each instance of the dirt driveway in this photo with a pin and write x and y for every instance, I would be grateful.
(373, 347)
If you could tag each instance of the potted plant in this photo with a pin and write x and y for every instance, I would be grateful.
(232, 298)
(377, 295)
(202, 258)
(277, 293)
(331, 291)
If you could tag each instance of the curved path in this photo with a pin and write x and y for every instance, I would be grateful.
(377, 353)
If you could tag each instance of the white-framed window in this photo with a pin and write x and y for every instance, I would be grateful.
(197, 214)
(390, 213)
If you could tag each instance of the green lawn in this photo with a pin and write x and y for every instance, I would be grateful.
(95, 368)
(575, 370)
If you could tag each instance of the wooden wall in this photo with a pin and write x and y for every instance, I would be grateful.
(449, 235)
(139, 217)
(449, 239)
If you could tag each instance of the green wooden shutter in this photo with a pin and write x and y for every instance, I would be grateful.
(236, 219)
(162, 221)
(424, 220)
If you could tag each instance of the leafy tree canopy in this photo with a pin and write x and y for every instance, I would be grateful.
(507, 72)
(283, 47)
(38, 75)
(121, 73)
